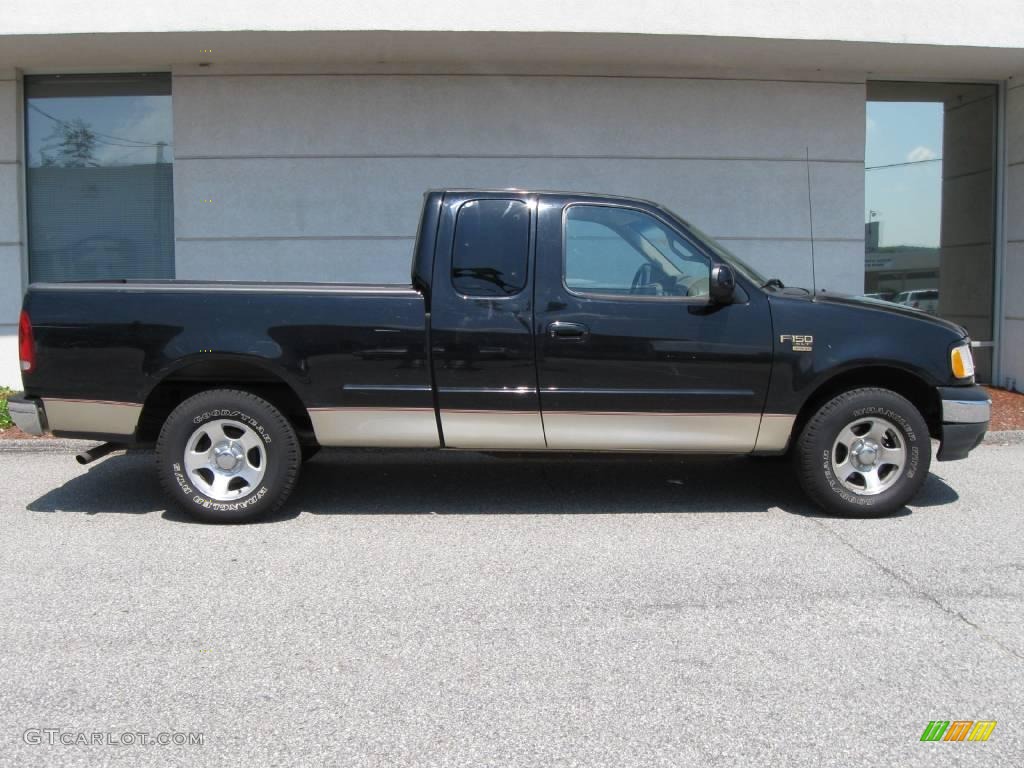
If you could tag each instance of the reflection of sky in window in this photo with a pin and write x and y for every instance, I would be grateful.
(906, 199)
(127, 128)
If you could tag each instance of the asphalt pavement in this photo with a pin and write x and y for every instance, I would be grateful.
(420, 609)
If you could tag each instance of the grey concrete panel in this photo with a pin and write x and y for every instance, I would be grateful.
(965, 281)
(967, 209)
(1015, 202)
(840, 266)
(10, 226)
(1015, 124)
(1013, 280)
(354, 261)
(320, 197)
(228, 116)
(8, 121)
(837, 191)
(967, 138)
(10, 371)
(1013, 352)
(10, 283)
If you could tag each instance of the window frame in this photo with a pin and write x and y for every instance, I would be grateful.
(695, 300)
(530, 210)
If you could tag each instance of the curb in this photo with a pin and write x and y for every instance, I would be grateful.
(1011, 437)
(56, 445)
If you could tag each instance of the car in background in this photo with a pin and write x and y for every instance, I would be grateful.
(881, 296)
(925, 300)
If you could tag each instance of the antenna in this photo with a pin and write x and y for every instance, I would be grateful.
(810, 213)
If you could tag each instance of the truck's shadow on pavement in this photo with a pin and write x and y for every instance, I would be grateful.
(413, 482)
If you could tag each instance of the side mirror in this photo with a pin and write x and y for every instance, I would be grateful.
(723, 284)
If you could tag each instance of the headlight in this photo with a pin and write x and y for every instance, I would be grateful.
(961, 361)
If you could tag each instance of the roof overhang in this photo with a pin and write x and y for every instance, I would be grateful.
(510, 52)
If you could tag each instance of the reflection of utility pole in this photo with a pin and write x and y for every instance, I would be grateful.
(160, 151)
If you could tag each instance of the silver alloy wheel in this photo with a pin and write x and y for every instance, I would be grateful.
(225, 459)
(869, 455)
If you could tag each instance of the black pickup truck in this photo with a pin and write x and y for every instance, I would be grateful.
(534, 321)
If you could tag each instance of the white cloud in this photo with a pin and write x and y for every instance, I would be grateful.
(917, 154)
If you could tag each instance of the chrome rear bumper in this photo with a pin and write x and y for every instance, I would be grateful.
(28, 414)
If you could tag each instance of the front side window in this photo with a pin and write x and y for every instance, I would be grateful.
(99, 177)
(492, 246)
(616, 251)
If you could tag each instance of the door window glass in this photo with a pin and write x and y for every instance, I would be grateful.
(492, 245)
(623, 252)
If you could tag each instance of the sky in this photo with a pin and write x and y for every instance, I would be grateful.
(907, 199)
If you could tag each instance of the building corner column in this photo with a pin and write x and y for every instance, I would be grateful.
(1010, 280)
(12, 225)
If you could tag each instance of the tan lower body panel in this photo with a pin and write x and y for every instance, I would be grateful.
(493, 430)
(775, 431)
(101, 416)
(375, 427)
(564, 430)
(696, 432)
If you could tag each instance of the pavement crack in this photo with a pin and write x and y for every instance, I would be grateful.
(918, 591)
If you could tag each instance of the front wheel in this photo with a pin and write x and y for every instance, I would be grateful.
(227, 456)
(864, 453)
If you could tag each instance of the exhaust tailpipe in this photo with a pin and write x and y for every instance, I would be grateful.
(97, 452)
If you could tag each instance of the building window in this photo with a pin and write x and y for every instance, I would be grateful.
(100, 177)
(929, 202)
(492, 246)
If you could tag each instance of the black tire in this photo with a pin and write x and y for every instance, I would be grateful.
(276, 448)
(815, 458)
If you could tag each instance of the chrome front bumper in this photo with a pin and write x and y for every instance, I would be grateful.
(966, 411)
(965, 415)
(28, 414)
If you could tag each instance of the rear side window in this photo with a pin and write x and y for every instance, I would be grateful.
(492, 243)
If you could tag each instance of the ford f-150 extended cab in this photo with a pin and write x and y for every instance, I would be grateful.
(533, 321)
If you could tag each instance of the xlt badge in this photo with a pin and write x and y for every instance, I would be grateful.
(800, 343)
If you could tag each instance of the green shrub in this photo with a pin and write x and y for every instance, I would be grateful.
(5, 417)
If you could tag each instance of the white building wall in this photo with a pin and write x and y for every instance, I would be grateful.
(319, 176)
(11, 277)
(1012, 343)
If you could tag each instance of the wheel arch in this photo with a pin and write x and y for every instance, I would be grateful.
(205, 372)
(899, 380)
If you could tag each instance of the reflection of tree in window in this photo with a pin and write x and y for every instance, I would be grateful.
(74, 145)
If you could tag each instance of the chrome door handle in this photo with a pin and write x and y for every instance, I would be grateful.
(568, 331)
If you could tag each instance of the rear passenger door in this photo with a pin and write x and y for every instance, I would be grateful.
(481, 324)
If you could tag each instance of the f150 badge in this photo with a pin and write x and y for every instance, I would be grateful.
(800, 343)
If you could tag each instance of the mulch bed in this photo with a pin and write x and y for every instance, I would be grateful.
(1007, 415)
(1007, 410)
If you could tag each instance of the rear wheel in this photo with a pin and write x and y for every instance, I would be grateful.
(864, 453)
(227, 456)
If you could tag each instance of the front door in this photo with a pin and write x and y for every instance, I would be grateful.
(631, 353)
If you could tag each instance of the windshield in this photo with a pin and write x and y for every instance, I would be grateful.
(725, 254)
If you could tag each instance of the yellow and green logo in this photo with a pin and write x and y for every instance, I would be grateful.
(958, 730)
